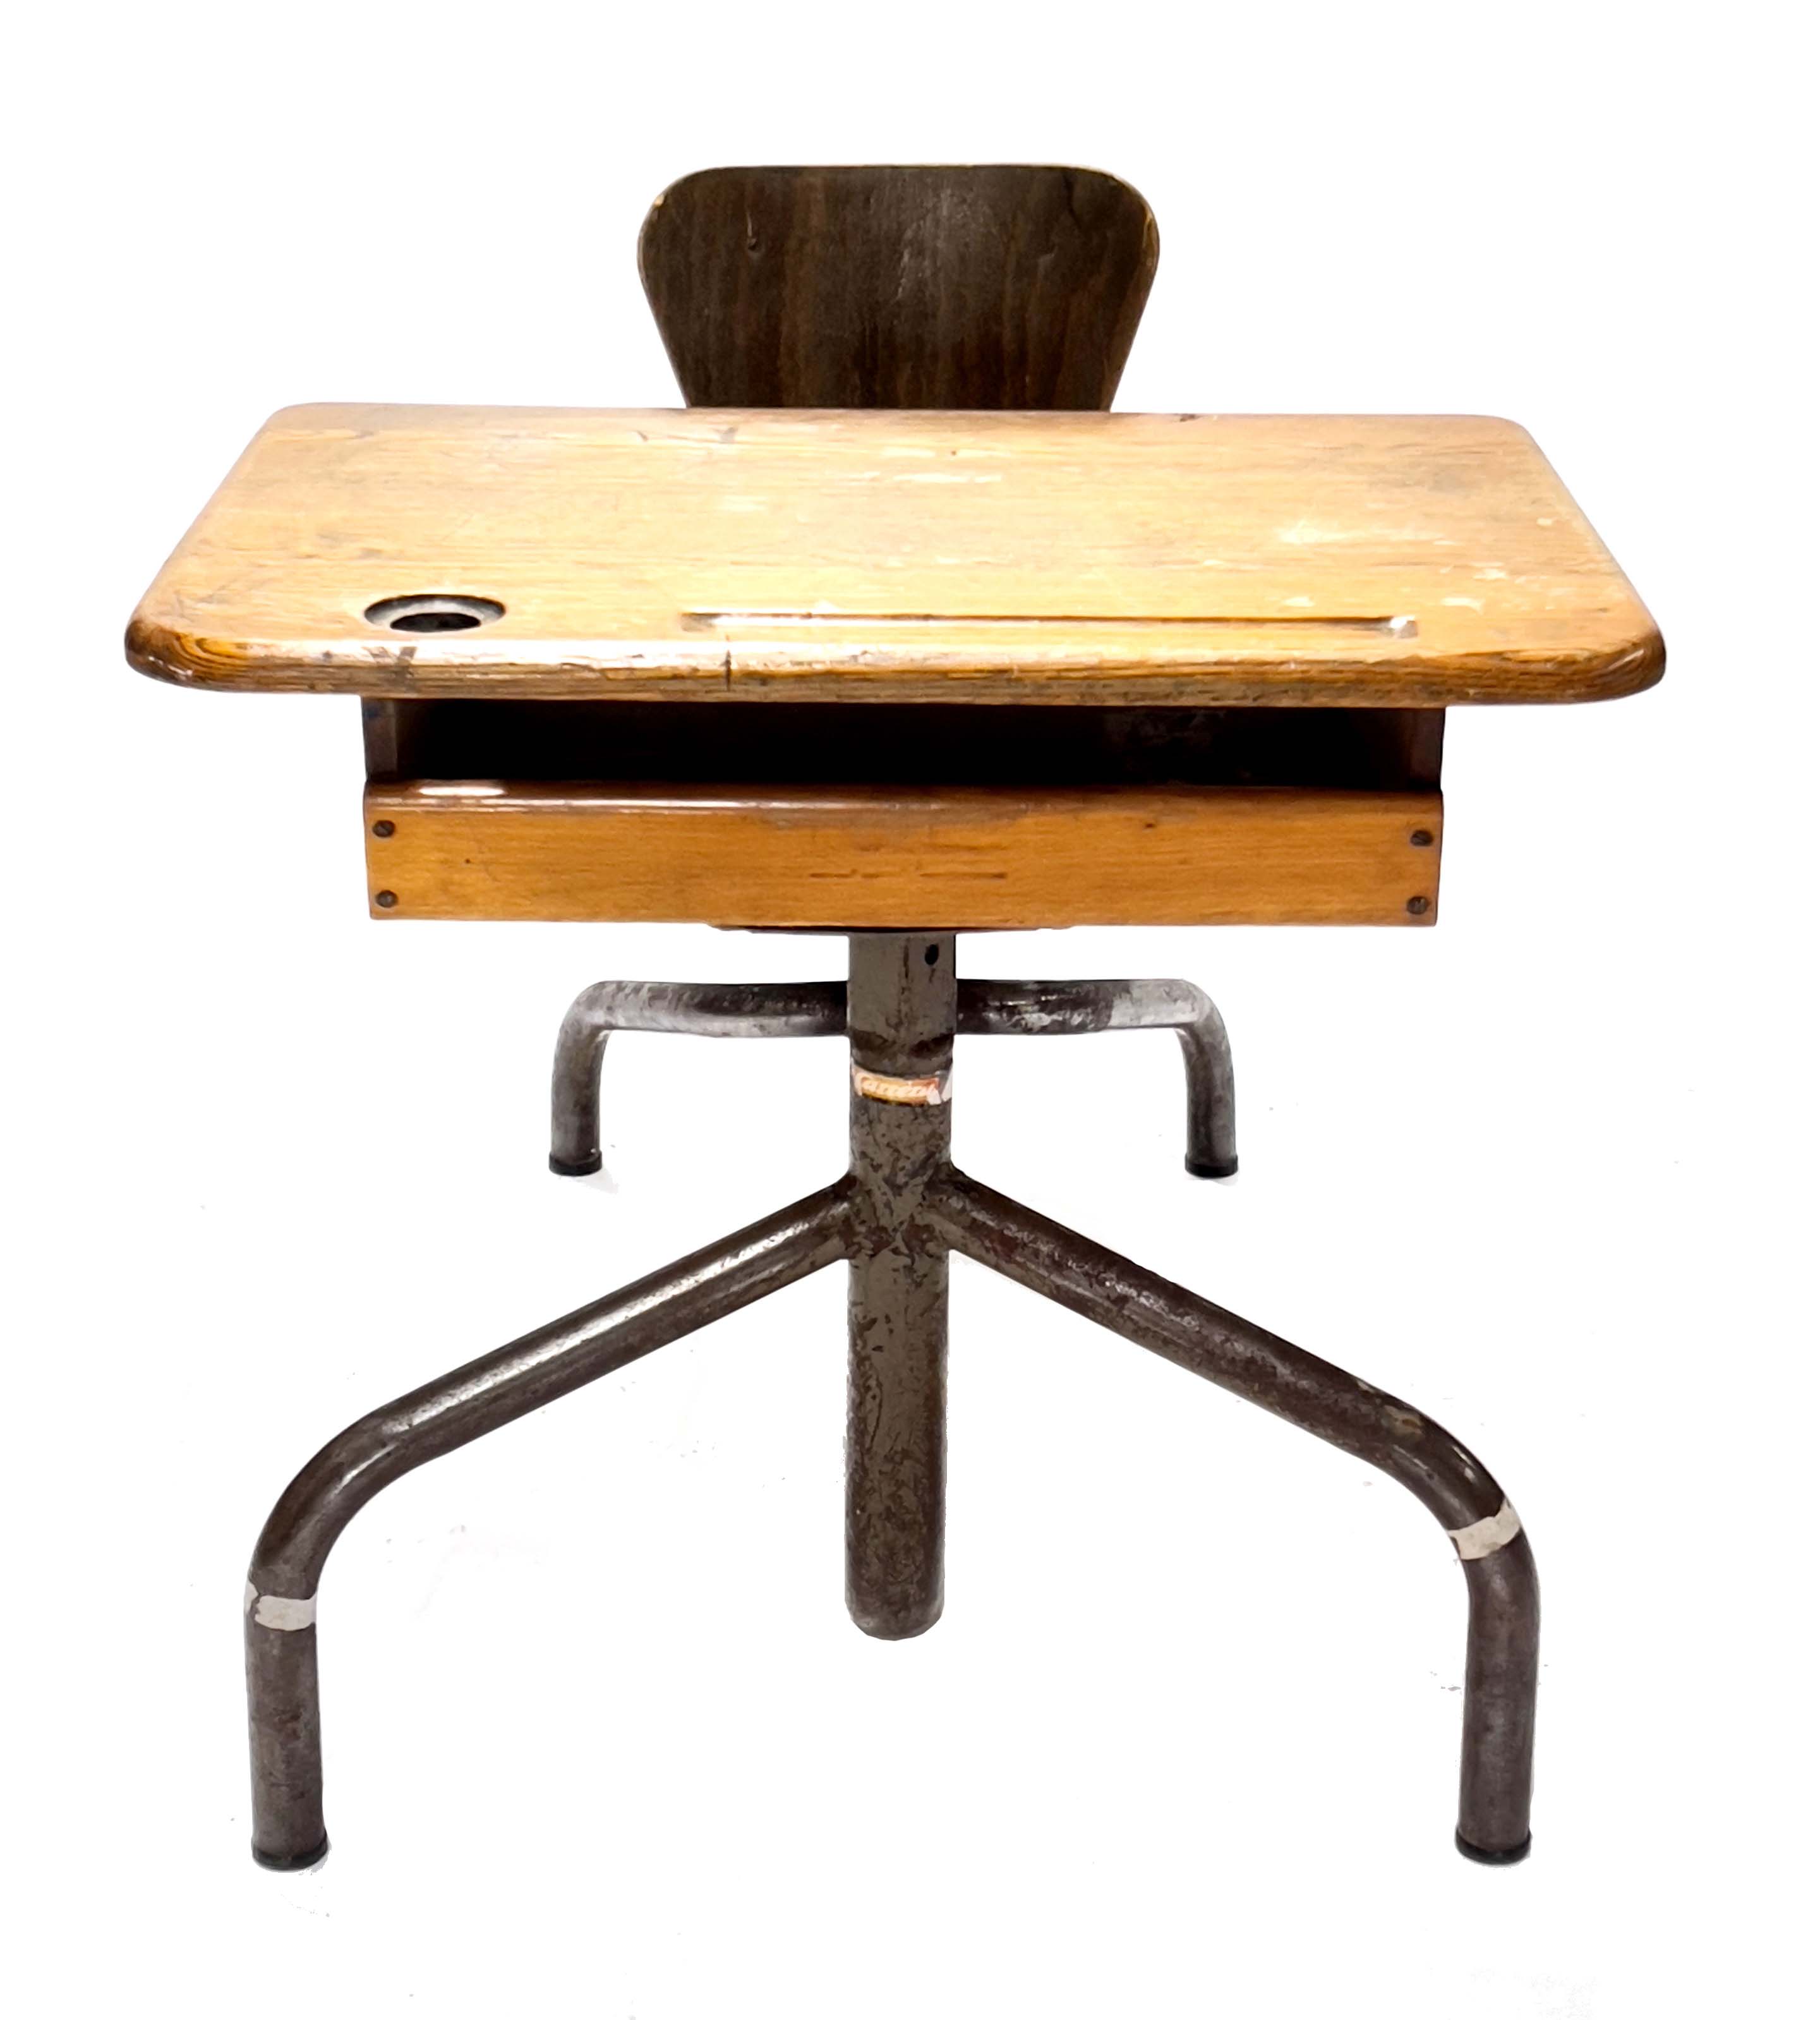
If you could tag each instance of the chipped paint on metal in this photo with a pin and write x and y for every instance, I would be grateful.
(927, 1091)
(1481, 1539)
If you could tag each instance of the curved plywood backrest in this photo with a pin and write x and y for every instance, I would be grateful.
(898, 287)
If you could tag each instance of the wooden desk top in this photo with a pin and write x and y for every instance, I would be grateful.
(1127, 558)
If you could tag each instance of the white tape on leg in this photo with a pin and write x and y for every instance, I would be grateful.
(270, 1609)
(1481, 1538)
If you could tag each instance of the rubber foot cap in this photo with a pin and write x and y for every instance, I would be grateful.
(290, 1861)
(1196, 1170)
(584, 1171)
(1478, 1853)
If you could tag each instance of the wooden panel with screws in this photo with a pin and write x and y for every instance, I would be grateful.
(886, 856)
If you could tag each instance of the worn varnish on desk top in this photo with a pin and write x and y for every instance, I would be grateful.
(818, 555)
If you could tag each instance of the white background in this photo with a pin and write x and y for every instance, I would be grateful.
(600, 1738)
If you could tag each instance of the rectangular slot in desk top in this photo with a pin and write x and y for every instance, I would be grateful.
(540, 554)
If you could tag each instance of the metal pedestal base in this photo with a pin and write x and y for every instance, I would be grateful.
(895, 1218)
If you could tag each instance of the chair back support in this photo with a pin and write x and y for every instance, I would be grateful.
(1009, 287)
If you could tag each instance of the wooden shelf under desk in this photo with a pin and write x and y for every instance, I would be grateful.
(772, 815)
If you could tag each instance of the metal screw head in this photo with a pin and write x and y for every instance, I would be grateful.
(381, 829)
(1415, 908)
(1421, 839)
(387, 899)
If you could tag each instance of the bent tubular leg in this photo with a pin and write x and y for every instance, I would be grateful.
(280, 1593)
(701, 1009)
(1049, 1009)
(1504, 1618)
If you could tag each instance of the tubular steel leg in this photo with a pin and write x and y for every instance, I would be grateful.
(901, 1028)
(283, 1718)
(1045, 1009)
(703, 1009)
(819, 1010)
(1504, 1615)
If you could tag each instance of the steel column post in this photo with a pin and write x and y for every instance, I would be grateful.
(900, 1020)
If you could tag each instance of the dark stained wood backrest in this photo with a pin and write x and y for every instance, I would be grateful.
(1007, 287)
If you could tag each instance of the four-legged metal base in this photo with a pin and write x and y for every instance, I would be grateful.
(895, 1216)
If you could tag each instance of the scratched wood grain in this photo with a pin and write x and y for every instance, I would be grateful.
(816, 555)
(893, 856)
(1000, 286)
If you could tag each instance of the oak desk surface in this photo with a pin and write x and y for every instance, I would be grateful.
(817, 555)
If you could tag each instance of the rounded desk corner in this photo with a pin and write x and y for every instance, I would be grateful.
(1630, 669)
(154, 649)
(1503, 424)
(307, 416)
